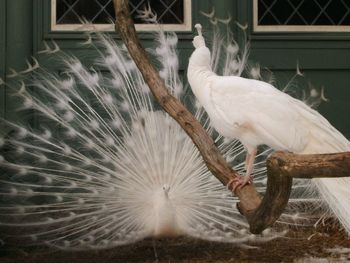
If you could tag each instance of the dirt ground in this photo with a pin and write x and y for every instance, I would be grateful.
(300, 245)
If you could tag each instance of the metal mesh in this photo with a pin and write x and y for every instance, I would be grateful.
(102, 11)
(303, 12)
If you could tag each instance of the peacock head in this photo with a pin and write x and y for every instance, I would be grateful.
(198, 41)
(166, 189)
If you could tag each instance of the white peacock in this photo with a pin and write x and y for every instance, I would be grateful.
(104, 167)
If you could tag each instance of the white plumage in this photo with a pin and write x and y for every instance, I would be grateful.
(257, 113)
(105, 168)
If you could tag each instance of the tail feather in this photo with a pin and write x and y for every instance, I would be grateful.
(324, 138)
(335, 191)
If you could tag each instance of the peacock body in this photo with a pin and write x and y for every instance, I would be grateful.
(256, 113)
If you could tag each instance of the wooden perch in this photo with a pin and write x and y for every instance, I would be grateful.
(281, 167)
(310, 166)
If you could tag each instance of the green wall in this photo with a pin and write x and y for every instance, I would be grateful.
(2, 55)
(16, 45)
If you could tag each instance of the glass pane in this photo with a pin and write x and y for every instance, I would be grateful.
(102, 11)
(303, 12)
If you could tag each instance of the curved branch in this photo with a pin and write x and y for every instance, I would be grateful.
(274, 201)
(282, 167)
(310, 166)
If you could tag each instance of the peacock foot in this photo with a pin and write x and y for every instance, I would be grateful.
(239, 182)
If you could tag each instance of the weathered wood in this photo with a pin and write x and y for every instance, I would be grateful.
(274, 201)
(282, 167)
(248, 195)
(310, 166)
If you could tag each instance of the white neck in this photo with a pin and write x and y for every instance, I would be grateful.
(199, 69)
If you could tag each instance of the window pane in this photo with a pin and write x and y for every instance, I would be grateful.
(102, 11)
(304, 12)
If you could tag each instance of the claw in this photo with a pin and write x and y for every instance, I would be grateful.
(239, 182)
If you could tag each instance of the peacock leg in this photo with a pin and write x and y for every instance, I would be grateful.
(250, 165)
(246, 161)
(240, 181)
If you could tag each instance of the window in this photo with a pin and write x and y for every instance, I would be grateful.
(301, 15)
(66, 15)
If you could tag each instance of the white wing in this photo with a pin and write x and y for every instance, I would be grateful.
(259, 114)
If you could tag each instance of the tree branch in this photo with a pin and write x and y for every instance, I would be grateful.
(282, 167)
(310, 166)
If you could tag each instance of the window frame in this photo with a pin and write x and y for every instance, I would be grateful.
(184, 27)
(293, 28)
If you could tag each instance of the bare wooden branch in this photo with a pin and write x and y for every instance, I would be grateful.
(274, 201)
(282, 167)
(311, 165)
